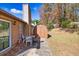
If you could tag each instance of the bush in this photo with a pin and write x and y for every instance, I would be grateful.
(50, 25)
(35, 22)
(73, 25)
(65, 23)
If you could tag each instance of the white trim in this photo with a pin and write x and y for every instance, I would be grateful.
(10, 36)
(1, 52)
(10, 44)
(5, 20)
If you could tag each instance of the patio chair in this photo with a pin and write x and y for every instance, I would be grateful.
(29, 40)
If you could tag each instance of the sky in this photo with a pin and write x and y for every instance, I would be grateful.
(16, 9)
(35, 10)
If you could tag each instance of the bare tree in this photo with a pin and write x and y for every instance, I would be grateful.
(55, 12)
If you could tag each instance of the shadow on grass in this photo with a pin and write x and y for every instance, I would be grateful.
(49, 35)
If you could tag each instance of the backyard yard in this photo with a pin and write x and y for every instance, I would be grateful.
(63, 43)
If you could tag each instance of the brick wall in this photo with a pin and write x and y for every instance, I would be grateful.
(41, 31)
(15, 28)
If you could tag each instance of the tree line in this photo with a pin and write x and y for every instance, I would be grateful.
(59, 13)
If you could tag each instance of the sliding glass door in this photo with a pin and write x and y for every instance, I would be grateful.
(4, 35)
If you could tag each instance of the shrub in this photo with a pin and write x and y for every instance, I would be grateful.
(35, 22)
(65, 23)
(73, 25)
(50, 25)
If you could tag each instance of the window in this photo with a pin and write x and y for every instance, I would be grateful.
(4, 35)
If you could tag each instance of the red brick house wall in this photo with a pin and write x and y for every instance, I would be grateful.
(15, 22)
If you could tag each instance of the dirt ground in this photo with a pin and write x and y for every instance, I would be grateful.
(63, 43)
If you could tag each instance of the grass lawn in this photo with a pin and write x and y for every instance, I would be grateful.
(63, 43)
